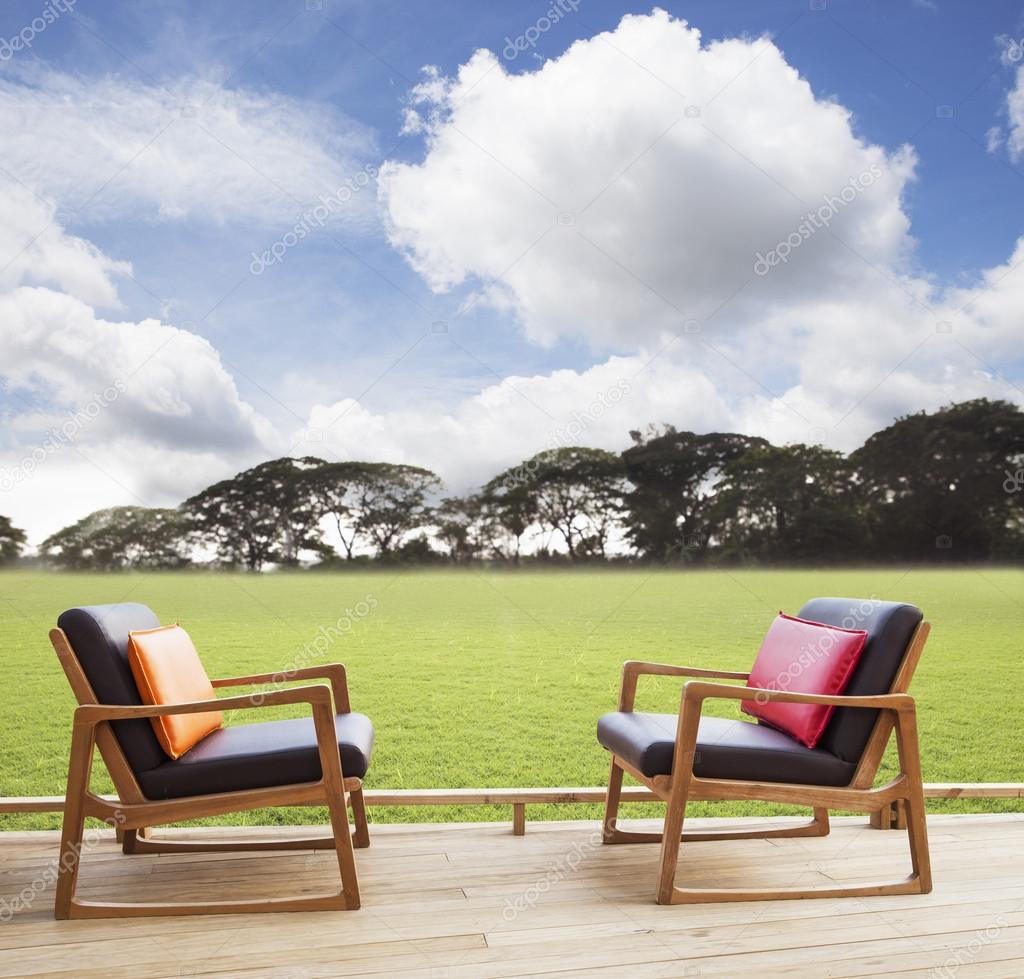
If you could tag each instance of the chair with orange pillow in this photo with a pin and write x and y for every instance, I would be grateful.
(828, 689)
(146, 703)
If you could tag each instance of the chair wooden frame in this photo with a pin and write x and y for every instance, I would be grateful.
(896, 713)
(132, 813)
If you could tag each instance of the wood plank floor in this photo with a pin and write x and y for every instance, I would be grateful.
(475, 901)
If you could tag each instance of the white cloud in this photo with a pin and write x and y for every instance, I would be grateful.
(630, 183)
(876, 361)
(35, 249)
(1015, 115)
(111, 412)
(508, 422)
(100, 411)
(121, 411)
(189, 150)
(1012, 135)
(175, 389)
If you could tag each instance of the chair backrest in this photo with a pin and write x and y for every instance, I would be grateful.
(98, 634)
(890, 627)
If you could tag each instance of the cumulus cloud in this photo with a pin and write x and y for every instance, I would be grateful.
(56, 351)
(173, 388)
(645, 189)
(190, 149)
(118, 411)
(124, 411)
(630, 184)
(115, 412)
(508, 422)
(907, 359)
(36, 249)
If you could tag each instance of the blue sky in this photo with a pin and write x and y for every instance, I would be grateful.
(349, 312)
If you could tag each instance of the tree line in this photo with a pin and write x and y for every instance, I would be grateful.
(947, 485)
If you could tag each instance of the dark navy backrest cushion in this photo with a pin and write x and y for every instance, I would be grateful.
(890, 626)
(99, 636)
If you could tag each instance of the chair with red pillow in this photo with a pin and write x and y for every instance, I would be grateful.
(827, 691)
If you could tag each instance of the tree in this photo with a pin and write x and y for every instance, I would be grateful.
(262, 515)
(508, 509)
(120, 538)
(12, 540)
(789, 503)
(376, 502)
(417, 550)
(669, 510)
(935, 484)
(391, 500)
(333, 488)
(461, 526)
(578, 493)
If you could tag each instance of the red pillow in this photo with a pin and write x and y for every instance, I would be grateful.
(798, 656)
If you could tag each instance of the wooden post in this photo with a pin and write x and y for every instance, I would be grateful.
(519, 818)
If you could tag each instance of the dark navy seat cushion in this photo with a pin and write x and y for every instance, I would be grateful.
(725, 749)
(755, 752)
(257, 756)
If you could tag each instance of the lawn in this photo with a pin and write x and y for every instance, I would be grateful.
(489, 678)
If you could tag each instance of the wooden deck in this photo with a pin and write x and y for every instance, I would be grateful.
(476, 901)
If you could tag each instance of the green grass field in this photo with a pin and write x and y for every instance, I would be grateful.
(478, 678)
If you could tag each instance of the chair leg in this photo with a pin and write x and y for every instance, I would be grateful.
(343, 847)
(73, 830)
(361, 838)
(917, 827)
(671, 840)
(611, 803)
(134, 840)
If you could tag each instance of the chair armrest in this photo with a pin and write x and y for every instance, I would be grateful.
(333, 672)
(698, 692)
(632, 670)
(318, 696)
(89, 715)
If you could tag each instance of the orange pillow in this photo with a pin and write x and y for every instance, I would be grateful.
(167, 670)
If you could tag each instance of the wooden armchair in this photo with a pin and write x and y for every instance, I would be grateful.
(307, 761)
(689, 757)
